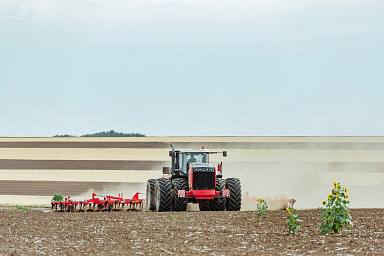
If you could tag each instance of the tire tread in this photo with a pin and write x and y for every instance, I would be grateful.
(179, 204)
(164, 187)
(234, 201)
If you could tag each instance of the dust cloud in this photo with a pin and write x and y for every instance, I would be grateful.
(277, 171)
(277, 182)
(128, 190)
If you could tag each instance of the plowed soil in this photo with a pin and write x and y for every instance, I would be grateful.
(191, 233)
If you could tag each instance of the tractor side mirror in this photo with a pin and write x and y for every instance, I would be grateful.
(171, 153)
(219, 172)
(224, 153)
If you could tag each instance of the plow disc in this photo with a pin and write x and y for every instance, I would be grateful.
(99, 203)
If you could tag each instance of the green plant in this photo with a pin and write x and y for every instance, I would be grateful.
(261, 207)
(172, 217)
(335, 214)
(22, 208)
(293, 221)
(57, 198)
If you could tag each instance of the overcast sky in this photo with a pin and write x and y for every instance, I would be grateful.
(189, 67)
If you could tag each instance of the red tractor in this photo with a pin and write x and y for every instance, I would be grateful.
(192, 179)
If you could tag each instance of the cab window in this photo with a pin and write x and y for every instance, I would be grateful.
(189, 158)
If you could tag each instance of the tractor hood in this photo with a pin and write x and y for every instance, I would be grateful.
(202, 167)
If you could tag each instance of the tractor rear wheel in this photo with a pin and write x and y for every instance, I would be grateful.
(179, 203)
(150, 195)
(163, 195)
(234, 200)
(218, 204)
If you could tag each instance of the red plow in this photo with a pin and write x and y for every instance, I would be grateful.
(100, 203)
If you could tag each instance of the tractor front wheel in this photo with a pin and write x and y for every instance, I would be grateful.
(163, 195)
(179, 203)
(205, 205)
(218, 204)
(234, 200)
(150, 195)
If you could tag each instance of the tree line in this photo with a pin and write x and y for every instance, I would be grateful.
(111, 133)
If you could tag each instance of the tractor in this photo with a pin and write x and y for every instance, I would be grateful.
(192, 179)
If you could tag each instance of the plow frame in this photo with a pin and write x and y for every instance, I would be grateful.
(99, 203)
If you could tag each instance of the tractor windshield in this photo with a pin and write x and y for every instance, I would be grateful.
(192, 157)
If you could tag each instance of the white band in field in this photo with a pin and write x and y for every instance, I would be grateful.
(85, 154)
(35, 201)
(234, 155)
(79, 175)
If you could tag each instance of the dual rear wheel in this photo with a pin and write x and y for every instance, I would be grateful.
(162, 195)
(150, 195)
(159, 195)
(179, 203)
(163, 192)
(233, 203)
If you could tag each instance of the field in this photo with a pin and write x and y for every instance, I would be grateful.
(32, 169)
(191, 233)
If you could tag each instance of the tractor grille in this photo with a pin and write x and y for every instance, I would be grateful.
(203, 180)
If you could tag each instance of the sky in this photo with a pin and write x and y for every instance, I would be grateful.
(192, 67)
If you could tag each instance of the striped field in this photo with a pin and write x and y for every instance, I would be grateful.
(32, 169)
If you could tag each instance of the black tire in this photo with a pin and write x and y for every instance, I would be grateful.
(205, 205)
(234, 201)
(219, 203)
(163, 195)
(150, 195)
(179, 203)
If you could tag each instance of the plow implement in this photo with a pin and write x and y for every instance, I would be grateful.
(99, 203)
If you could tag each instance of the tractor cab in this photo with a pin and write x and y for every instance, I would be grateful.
(182, 160)
(187, 159)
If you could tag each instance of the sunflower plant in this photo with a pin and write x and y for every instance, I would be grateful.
(293, 221)
(335, 214)
(261, 207)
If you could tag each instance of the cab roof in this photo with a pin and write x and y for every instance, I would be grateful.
(193, 151)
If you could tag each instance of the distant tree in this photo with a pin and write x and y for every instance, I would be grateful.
(63, 136)
(113, 133)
